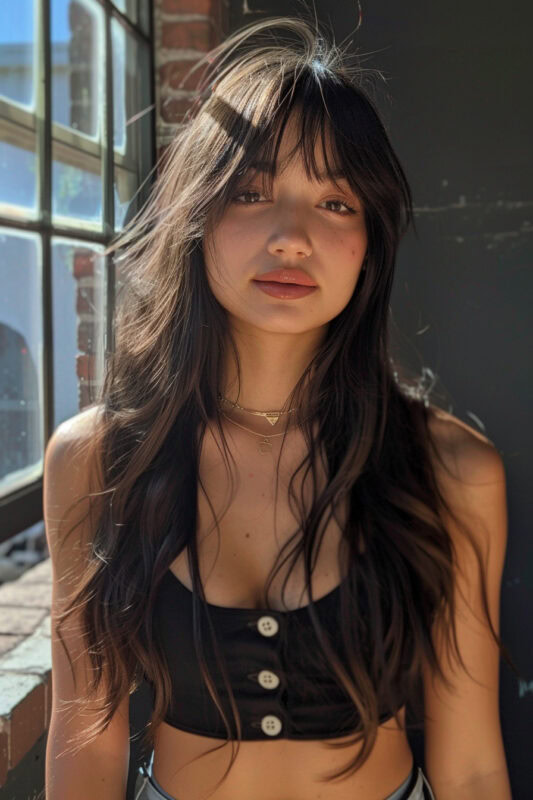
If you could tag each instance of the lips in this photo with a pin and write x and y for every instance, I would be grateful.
(287, 275)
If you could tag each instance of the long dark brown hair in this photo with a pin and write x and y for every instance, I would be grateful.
(161, 381)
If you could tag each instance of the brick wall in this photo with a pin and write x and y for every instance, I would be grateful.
(184, 30)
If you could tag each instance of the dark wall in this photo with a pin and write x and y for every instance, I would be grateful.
(456, 104)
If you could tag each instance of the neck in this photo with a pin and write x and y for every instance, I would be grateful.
(271, 364)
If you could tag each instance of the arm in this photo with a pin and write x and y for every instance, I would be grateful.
(464, 751)
(100, 769)
(492, 786)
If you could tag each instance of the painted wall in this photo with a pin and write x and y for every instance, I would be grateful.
(455, 105)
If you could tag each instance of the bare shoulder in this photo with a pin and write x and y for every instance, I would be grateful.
(452, 429)
(71, 472)
(465, 454)
(68, 447)
(470, 474)
(78, 429)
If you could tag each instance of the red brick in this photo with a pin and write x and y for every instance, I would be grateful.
(85, 367)
(163, 153)
(86, 337)
(187, 35)
(27, 724)
(4, 756)
(83, 263)
(187, 6)
(172, 74)
(173, 110)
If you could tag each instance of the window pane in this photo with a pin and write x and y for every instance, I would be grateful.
(132, 117)
(18, 171)
(21, 356)
(125, 188)
(78, 65)
(78, 323)
(76, 187)
(17, 51)
(125, 89)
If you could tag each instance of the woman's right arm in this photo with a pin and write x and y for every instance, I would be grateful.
(98, 771)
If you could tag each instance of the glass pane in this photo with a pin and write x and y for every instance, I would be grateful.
(76, 187)
(78, 64)
(125, 188)
(132, 117)
(21, 359)
(125, 89)
(18, 171)
(17, 52)
(128, 7)
(78, 324)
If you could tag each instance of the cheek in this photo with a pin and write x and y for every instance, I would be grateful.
(348, 250)
(223, 264)
(229, 246)
(216, 255)
(350, 254)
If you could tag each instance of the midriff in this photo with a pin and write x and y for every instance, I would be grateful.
(282, 769)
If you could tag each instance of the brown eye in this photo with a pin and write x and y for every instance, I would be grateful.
(350, 210)
(247, 193)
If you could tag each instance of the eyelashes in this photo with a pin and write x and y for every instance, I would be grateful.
(342, 203)
(245, 192)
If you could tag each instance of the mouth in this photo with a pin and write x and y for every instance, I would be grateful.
(284, 277)
(281, 283)
(284, 291)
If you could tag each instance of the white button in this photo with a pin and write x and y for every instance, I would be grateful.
(268, 679)
(268, 626)
(271, 725)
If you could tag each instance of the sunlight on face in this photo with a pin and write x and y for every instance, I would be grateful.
(304, 224)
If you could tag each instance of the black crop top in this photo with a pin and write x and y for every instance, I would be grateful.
(265, 654)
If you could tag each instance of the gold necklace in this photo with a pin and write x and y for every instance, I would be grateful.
(271, 416)
(265, 445)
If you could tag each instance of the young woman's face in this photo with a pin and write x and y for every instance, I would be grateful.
(303, 225)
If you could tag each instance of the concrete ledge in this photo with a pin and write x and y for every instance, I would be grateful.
(25, 664)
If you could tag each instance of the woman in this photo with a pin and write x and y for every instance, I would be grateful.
(349, 537)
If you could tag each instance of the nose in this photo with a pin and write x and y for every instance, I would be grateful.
(290, 242)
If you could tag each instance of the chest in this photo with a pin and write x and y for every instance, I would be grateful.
(257, 523)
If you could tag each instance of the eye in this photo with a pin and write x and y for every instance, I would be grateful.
(251, 197)
(246, 193)
(350, 210)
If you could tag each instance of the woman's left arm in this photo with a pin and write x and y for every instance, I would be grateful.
(463, 745)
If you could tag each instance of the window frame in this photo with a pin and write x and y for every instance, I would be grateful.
(22, 507)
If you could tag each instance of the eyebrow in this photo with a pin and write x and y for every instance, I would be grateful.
(264, 166)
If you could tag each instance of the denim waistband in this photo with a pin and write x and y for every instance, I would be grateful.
(415, 787)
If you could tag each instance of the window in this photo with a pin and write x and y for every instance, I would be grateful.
(76, 155)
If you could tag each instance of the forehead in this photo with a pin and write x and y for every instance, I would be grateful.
(292, 142)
